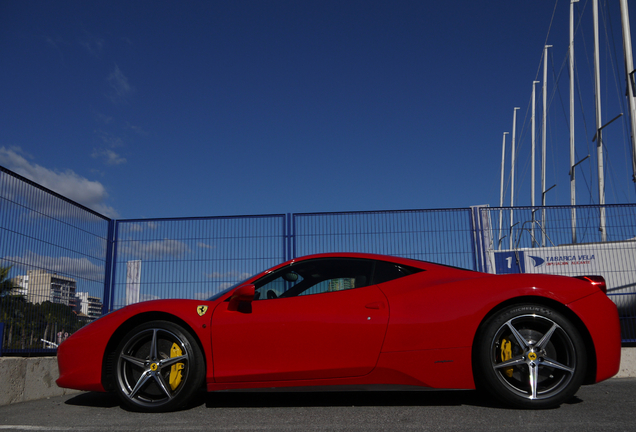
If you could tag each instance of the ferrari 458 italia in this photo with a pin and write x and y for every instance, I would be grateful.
(356, 320)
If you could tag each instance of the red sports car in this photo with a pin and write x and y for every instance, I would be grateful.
(356, 320)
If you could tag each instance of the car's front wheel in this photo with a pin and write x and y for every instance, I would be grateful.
(159, 367)
(530, 356)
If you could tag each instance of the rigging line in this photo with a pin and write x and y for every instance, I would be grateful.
(585, 130)
(580, 13)
(549, 125)
(614, 62)
(590, 74)
(556, 91)
(546, 38)
(522, 136)
(565, 114)
(517, 149)
(522, 132)
(613, 183)
(551, 132)
(523, 172)
(607, 23)
(556, 79)
(622, 100)
(558, 88)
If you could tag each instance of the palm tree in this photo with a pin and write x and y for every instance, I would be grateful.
(6, 285)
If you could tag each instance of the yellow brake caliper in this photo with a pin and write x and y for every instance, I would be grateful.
(506, 354)
(175, 370)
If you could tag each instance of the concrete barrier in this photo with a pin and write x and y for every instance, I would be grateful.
(24, 379)
(628, 363)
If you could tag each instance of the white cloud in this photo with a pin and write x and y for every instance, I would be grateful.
(139, 130)
(139, 227)
(55, 44)
(156, 249)
(208, 294)
(231, 275)
(205, 295)
(109, 139)
(120, 86)
(103, 118)
(91, 194)
(120, 302)
(109, 156)
(94, 46)
(148, 297)
(205, 246)
(75, 267)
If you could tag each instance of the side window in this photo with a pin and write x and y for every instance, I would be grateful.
(386, 271)
(275, 285)
(330, 285)
(321, 275)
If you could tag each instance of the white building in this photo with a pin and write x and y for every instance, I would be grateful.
(20, 285)
(44, 286)
(88, 305)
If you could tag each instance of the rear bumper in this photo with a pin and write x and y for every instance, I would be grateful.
(600, 316)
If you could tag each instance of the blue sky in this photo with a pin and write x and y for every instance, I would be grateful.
(144, 109)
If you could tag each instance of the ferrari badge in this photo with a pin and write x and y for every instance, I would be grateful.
(202, 309)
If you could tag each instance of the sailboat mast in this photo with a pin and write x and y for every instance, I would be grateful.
(533, 169)
(599, 140)
(501, 191)
(512, 174)
(572, 177)
(629, 69)
(532, 180)
(543, 137)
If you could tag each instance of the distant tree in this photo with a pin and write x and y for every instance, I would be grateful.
(5, 283)
(26, 323)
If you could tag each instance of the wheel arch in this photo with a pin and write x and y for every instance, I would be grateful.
(108, 361)
(590, 351)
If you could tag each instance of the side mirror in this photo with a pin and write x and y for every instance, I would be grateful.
(243, 294)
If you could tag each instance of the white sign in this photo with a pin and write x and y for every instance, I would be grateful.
(133, 281)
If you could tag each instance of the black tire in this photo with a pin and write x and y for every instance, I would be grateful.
(146, 360)
(530, 356)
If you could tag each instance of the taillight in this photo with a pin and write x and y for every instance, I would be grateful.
(597, 281)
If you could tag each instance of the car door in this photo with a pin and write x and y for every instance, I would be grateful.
(308, 330)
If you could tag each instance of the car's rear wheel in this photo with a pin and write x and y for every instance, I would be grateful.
(159, 367)
(530, 356)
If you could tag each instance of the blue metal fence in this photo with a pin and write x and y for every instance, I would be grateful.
(68, 263)
(442, 236)
(56, 253)
(193, 257)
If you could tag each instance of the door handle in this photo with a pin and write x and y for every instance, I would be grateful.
(375, 305)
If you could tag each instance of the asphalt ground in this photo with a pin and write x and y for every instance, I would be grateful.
(608, 406)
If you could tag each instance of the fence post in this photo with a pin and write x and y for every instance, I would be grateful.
(108, 268)
(289, 236)
(1, 337)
